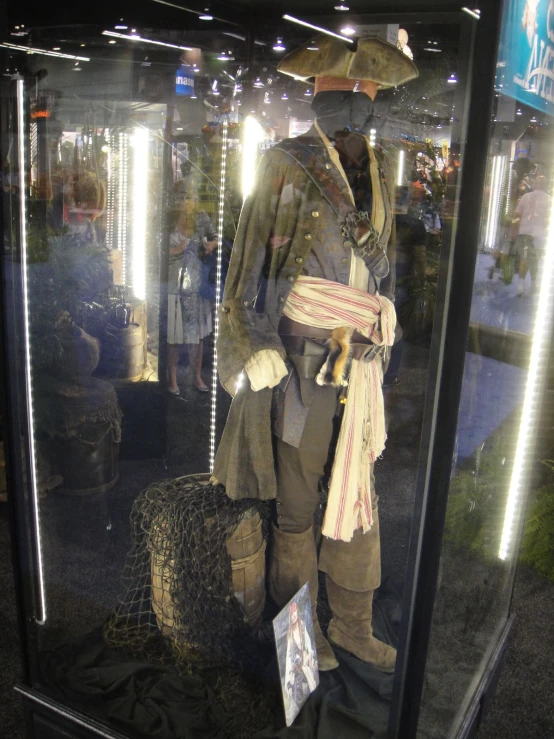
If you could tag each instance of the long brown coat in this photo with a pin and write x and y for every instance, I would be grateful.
(287, 218)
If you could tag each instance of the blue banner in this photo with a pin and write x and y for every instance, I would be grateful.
(525, 68)
(184, 80)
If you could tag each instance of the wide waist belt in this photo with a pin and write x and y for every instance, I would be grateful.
(288, 327)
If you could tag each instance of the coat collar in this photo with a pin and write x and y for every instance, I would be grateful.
(312, 155)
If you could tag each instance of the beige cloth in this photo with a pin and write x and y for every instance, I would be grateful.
(362, 436)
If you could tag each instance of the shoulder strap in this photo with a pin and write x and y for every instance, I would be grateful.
(327, 185)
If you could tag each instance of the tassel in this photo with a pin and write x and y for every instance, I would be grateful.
(334, 369)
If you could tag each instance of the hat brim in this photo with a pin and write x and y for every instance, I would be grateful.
(372, 59)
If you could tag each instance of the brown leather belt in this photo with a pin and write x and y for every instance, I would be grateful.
(288, 327)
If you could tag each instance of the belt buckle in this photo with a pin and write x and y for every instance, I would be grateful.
(374, 352)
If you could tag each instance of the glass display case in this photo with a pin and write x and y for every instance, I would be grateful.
(147, 156)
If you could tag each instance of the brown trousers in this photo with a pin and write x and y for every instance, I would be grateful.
(355, 565)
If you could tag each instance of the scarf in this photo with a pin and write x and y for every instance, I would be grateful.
(327, 304)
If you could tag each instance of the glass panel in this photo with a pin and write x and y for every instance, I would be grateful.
(135, 163)
(503, 376)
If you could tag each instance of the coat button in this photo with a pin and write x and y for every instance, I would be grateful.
(281, 299)
(315, 213)
(347, 244)
(299, 260)
(290, 278)
(344, 260)
(246, 303)
(328, 165)
(225, 309)
(308, 237)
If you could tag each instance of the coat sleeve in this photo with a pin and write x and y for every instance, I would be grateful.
(245, 328)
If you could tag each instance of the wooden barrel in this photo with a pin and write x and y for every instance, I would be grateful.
(122, 353)
(246, 549)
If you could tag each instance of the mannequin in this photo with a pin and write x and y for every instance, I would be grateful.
(316, 233)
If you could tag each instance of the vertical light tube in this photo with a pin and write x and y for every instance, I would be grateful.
(122, 203)
(495, 199)
(41, 606)
(110, 194)
(220, 220)
(401, 158)
(253, 135)
(538, 367)
(140, 205)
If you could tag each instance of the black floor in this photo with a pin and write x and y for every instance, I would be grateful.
(86, 541)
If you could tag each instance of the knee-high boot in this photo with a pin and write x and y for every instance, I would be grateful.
(292, 563)
(353, 572)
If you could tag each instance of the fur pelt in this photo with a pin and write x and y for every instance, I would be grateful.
(335, 367)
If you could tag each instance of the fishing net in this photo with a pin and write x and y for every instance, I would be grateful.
(194, 593)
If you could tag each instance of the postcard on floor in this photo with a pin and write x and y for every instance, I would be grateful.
(296, 652)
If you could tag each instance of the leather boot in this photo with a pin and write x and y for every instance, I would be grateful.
(292, 563)
(353, 572)
(351, 629)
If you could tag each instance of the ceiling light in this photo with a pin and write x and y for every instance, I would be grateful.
(266, 98)
(452, 79)
(428, 48)
(292, 19)
(342, 6)
(76, 69)
(145, 40)
(45, 52)
(121, 28)
(279, 45)
(206, 15)
(519, 112)
(308, 92)
(284, 96)
(112, 41)
(313, 48)
(56, 48)
(475, 13)
(348, 31)
(258, 83)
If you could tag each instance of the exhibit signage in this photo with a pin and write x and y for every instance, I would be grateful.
(525, 69)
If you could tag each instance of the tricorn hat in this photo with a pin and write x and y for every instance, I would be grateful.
(370, 59)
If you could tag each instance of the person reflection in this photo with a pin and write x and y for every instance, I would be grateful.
(189, 314)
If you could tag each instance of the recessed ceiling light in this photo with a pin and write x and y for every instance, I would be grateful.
(348, 31)
(206, 16)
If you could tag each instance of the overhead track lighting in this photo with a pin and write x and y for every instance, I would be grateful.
(136, 37)
(44, 52)
(292, 19)
(205, 15)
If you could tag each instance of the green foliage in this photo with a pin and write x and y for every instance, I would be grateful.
(537, 547)
(417, 312)
(477, 502)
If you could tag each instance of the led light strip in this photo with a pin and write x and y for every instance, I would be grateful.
(538, 366)
(122, 205)
(292, 19)
(41, 615)
(136, 37)
(111, 193)
(140, 210)
(221, 212)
